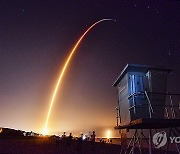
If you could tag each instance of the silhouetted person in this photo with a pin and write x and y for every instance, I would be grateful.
(93, 136)
(64, 135)
(79, 144)
(110, 141)
(63, 140)
(57, 144)
(81, 136)
(70, 136)
(69, 142)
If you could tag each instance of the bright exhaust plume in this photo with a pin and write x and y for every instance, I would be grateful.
(45, 130)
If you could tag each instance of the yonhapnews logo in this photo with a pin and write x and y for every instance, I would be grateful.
(160, 139)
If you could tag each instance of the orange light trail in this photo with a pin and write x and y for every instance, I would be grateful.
(45, 130)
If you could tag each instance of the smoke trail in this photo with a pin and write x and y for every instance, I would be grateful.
(45, 131)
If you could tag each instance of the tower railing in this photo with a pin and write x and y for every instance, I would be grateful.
(171, 107)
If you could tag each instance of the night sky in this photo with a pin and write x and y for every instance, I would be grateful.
(36, 36)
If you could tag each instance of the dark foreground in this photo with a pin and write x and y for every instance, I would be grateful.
(48, 145)
(54, 146)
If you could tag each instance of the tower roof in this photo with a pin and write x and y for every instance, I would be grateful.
(138, 68)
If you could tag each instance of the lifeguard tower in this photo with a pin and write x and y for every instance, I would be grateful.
(145, 106)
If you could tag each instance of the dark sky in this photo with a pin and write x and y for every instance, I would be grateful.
(36, 37)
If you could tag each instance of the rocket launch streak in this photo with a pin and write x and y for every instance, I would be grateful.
(45, 130)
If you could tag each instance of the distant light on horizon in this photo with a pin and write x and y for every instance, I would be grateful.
(84, 137)
(108, 134)
(0, 130)
(45, 131)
